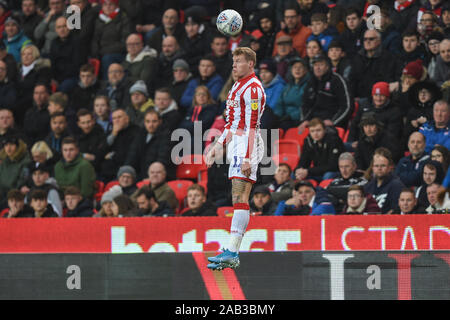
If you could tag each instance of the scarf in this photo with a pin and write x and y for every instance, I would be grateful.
(400, 7)
(27, 69)
(108, 18)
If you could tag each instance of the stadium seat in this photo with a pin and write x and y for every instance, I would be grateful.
(4, 212)
(99, 190)
(341, 132)
(203, 175)
(286, 146)
(110, 184)
(225, 212)
(142, 183)
(313, 182)
(289, 158)
(293, 133)
(325, 183)
(355, 110)
(96, 64)
(346, 135)
(190, 167)
(180, 188)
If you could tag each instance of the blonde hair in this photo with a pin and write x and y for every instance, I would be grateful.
(248, 53)
(35, 51)
(42, 147)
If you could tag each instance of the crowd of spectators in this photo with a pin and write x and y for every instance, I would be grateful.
(89, 115)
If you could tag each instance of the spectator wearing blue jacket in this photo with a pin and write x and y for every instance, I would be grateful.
(409, 168)
(289, 105)
(14, 38)
(272, 82)
(306, 201)
(437, 131)
(321, 31)
(208, 77)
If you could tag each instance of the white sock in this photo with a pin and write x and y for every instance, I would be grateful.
(239, 224)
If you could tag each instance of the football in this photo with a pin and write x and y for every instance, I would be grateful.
(229, 22)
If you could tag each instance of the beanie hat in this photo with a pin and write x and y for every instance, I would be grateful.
(435, 35)
(268, 64)
(180, 63)
(414, 69)
(381, 88)
(126, 169)
(109, 195)
(13, 20)
(139, 86)
(4, 5)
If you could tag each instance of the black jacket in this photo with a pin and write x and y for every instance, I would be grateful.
(383, 66)
(65, 57)
(389, 115)
(83, 97)
(207, 209)
(36, 124)
(119, 96)
(110, 37)
(324, 154)
(367, 146)
(328, 98)
(8, 95)
(25, 87)
(119, 148)
(163, 210)
(352, 41)
(83, 209)
(94, 143)
(49, 213)
(142, 153)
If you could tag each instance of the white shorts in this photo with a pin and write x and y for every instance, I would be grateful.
(236, 151)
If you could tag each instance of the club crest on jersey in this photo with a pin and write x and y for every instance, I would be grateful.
(254, 104)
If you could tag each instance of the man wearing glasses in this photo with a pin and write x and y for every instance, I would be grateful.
(373, 64)
(295, 29)
(384, 186)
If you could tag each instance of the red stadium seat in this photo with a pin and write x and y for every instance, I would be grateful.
(4, 212)
(96, 64)
(142, 183)
(180, 188)
(286, 146)
(325, 183)
(313, 182)
(203, 175)
(346, 135)
(99, 190)
(110, 184)
(293, 133)
(341, 132)
(289, 158)
(204, 184)
(190, 167)
(225, 212)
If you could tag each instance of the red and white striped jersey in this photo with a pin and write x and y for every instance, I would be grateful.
(244, 108)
